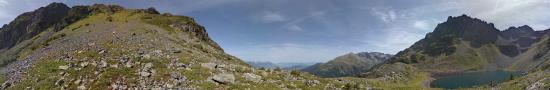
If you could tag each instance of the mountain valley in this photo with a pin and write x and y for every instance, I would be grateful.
(99, 47)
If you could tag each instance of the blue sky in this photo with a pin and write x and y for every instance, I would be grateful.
(319, 30)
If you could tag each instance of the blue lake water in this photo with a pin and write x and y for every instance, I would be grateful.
(472, 79)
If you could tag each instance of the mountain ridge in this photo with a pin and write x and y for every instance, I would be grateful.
(463, 43)
(110, 47)
(350, 64)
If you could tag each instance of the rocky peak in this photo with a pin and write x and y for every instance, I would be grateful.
(526, 28)
(515, 32)
(56, 5)
(375, 55)
(467, 28)
(29, 24)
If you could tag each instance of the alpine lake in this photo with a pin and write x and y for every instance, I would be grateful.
(471, 79)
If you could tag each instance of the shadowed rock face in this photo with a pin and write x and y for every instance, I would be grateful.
(446, 34)
(29, 24)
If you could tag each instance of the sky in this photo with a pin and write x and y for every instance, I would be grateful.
(319, 30)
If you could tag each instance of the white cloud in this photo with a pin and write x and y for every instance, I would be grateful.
(295, 28)
(3, 3)
(387, 16)
(318, 13)
(421, 25)
(506, 13)
(273, 17)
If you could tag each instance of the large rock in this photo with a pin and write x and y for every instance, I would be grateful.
(84, 64)
(64, 67)
(148, 66)
(145, 74)
(210, 66)
(252, 77)
(224, 78)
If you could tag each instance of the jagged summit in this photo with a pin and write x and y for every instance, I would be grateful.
(465, 18)
(524, 28)
(517, 32)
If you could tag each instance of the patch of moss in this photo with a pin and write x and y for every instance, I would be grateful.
(111, 74)
(3, 79)
(409, 78)
(55, 37)
(165, 22)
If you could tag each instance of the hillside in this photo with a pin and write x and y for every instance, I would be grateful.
(110, 47)
(464, 44)
(348, 65)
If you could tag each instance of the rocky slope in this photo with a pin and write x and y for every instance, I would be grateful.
(28, 25)
(110, 47)
(348, 65)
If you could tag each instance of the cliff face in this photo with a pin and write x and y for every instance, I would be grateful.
(30, 24)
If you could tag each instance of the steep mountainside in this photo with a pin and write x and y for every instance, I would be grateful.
(28, 25)
(110, 47)
(468, 44)
(465, 44)
(348, 65)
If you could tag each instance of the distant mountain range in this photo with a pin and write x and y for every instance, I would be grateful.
(262, 64)
(348, 65)
(283, 65)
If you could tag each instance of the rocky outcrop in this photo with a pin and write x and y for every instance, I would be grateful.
(224, 78)
(30, 24)
(253, 77)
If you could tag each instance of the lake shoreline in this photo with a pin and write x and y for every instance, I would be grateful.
(448, 73)
(472, 79)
